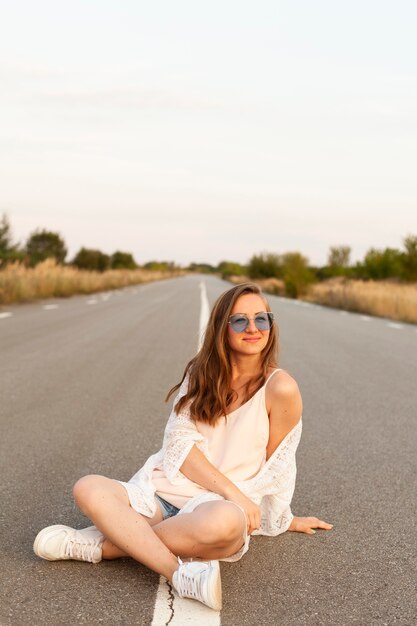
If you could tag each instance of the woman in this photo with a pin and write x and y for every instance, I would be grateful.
(226, 469)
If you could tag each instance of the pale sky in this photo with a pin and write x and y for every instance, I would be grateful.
(203, 131)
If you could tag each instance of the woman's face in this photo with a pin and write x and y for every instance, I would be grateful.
(252, 340)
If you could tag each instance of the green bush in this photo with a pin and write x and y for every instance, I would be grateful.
(9, 252)
(160, 266)
(122, 260)
(43, 244)
(88, 259)
(230, 268)
(410, 258)
(381, 264)
(265, 265)
(296, 274)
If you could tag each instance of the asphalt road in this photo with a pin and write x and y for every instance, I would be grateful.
(82, 390)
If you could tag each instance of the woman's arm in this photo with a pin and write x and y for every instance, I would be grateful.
(285, 409)
(284, 406)
(198, 468)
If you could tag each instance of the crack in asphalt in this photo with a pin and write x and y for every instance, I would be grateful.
(170, 602)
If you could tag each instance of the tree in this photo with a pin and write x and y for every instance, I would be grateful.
(382, 264)
(8, 251)
(230, 268)
(265, 265)
(296, 274)
(339, 256)
(160, 266)
(410, 257)
(88, 259)
(122, 260)
(43, 244)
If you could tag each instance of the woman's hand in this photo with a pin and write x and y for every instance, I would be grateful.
(307, 524)
(252, 510)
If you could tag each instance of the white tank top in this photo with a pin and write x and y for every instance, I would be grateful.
(237, 448)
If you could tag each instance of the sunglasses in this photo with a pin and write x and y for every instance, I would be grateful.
(240, 321)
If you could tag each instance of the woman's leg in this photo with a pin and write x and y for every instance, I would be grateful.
(214, 530)
(106, 503)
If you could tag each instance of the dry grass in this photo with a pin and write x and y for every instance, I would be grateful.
(49, 280)
(383, 299)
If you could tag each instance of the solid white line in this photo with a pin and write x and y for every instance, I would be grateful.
(5, 314)
(169, 608)
(49, 307)
(204, 313)
(394, 325)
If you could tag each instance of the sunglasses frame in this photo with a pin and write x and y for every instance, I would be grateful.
(269, 315)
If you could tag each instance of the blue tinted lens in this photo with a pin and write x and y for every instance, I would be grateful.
(262, 321)
(239, 323)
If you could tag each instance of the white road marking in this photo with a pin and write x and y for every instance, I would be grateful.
(49, 307)
(169, 607)
(394, 325)
(92, 301)
(365, 318)
(204, 313)
(5, 314)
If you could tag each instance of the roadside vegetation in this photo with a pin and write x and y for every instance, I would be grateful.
(37, 270)
(384, 283)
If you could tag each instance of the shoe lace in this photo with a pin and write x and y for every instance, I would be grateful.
(81, 550)
(189, 584)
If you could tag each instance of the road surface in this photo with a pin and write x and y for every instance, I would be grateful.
(82, 385)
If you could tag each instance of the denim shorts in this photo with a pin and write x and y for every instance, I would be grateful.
(167, 509)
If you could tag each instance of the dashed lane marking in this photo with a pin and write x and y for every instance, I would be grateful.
(5, 314)
(49, 307)
(394, 325)
(365, 318)
(92, 301)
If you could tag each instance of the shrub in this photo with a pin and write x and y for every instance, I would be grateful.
(381, 264)
(410, 258)
(296, 274)
(88, 259)
(230, 268)
(122, 260)
(44, 244)
(265, 265)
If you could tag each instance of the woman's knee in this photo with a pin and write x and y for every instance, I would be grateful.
(89, 489)
(223, 525)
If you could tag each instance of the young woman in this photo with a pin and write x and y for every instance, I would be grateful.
(226, 469)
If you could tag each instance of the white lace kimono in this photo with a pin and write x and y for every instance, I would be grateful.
(272, 488)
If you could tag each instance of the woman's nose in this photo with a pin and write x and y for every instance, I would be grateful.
(252, 327)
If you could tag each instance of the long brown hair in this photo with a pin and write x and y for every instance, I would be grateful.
(210, 371)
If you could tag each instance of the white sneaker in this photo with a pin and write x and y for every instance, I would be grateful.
(56, 543)
(199, 580)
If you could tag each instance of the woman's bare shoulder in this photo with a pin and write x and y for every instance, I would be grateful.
(283, 393)
(282, 384)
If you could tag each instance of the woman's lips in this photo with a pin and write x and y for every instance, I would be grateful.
(251, 339)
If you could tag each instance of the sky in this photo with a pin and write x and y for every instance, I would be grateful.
(207, 131)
